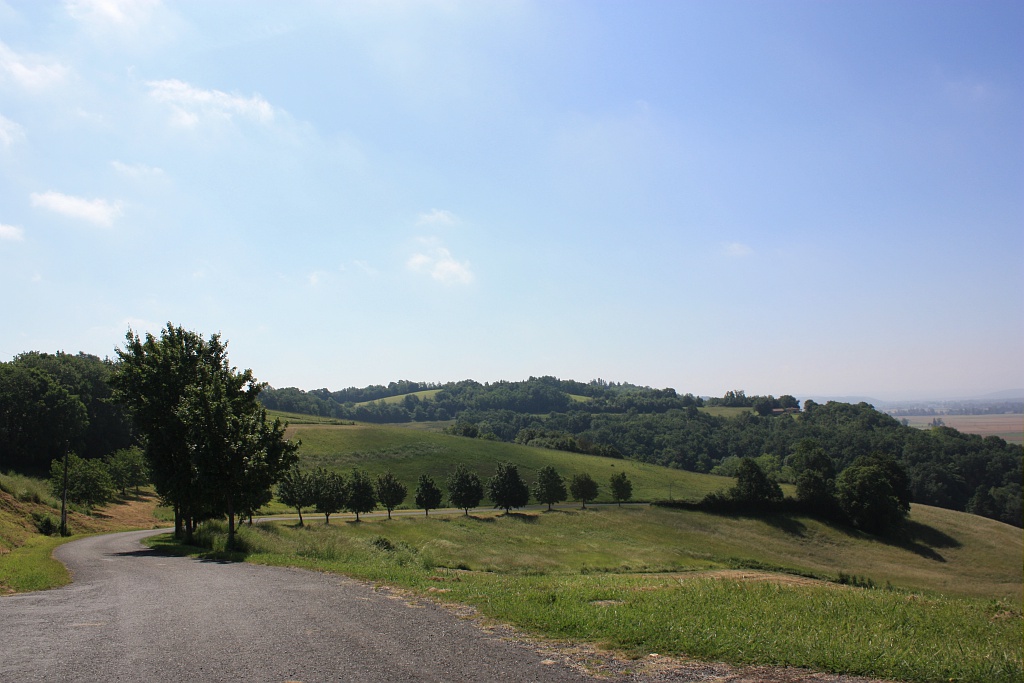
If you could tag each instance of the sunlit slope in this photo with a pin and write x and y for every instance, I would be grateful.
(408, 453)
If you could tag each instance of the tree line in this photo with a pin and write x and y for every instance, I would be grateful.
(328, 492)
(946, 468)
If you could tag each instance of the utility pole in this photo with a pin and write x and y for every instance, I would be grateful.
(64, 496)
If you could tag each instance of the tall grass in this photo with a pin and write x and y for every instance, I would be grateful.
(28, 489)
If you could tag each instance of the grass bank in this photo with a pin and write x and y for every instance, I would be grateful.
(743, 591)
(26, 505)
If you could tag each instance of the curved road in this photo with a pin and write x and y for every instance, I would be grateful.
(134, 615)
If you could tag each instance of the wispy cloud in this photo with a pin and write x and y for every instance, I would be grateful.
(437, 217)
(137, 170)
(191, 104)
(11, 233)
(10, 132)
(736, 250)
(125, 13)
(439, 264)
(96, 211)
(34, 73)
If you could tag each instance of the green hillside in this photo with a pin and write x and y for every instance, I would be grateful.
(410, 452)
(424, 395)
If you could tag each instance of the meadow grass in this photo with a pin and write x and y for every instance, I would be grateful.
(31, 567)
(28, 489)
(408, 453)
(425, 395)
(645, 580)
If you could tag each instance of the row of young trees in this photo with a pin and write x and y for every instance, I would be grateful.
(331, 492)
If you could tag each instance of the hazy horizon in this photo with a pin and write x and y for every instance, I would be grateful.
(815, 199)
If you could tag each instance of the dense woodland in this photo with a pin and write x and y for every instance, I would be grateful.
(946, 468)
(51, 403)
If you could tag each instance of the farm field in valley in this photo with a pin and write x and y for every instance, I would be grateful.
(1009, 426)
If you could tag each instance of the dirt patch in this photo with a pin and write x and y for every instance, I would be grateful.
(753, 576)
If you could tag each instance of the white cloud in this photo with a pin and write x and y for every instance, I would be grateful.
(11, 233)
(737, 249)
(126, 13)
(10, 132)
(438, 263)
(437, 217)
(190, 103)
(96, 211)
(137, 170)
(29, 72)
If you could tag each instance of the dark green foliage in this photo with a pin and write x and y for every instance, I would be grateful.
(506, 488)
(390, 491)
(622, 488)
(46, 524)
(89, 483)
(127, 468)
(549, 487)
(873, 495)
(815, 491)
(361, 497)
(296, 490)
(86, 378)
(330, 492)
(39, 419)
(583, 488)
(753, 486)
(428, 496)
(465, 490)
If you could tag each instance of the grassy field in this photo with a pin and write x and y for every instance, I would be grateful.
(424, 395)
(946, 606)
(1009, 426)
(409, 452)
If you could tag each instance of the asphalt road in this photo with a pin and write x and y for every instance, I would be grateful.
(134, 615)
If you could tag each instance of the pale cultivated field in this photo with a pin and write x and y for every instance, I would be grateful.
(1009, 426)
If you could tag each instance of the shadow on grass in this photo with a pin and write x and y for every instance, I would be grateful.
(179, 549)
(522, 517)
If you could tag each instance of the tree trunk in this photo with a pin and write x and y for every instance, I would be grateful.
(231, 524)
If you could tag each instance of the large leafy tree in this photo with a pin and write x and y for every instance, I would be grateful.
(549, 487)
(506, 488)
(583, 488)
(873, 493)
(753, 486)
(210, 448)
(465, 490)
(428, 495)
(390, 492)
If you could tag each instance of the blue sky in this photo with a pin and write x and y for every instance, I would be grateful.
(814, 198)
